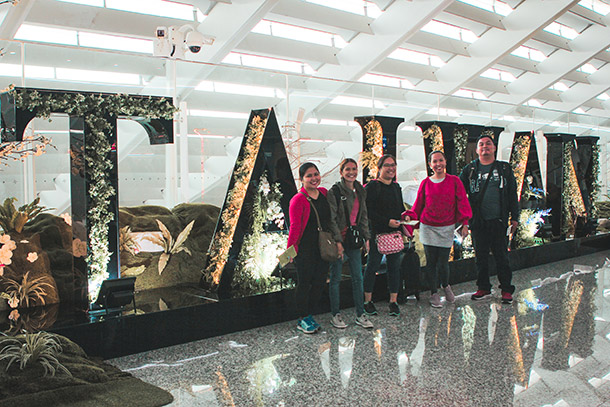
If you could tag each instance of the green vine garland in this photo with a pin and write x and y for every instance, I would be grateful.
(595, 186)
(95, 108)
(460, 141)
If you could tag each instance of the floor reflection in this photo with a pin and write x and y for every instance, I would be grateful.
(552, 346)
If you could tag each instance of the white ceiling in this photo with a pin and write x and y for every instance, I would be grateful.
(337, 72)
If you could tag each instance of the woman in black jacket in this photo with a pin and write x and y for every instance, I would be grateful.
(385, 206)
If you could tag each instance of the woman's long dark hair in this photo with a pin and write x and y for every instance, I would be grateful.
(304, 167)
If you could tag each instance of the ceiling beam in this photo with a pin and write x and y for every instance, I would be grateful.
(495, 44)
(12, 17)
(365, 52)
(584, 47)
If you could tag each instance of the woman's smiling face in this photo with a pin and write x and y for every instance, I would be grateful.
(349, 172)
(312, 178)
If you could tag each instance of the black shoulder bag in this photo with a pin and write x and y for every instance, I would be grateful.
(353, 235)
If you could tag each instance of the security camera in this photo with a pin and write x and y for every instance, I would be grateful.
(174, 41)
(194, 41)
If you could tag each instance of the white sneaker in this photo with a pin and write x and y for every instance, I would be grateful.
(338, 322)
(364, 321)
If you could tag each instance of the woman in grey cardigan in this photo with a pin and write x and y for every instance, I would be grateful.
(347, 200)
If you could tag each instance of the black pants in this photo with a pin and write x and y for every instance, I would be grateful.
(437, 264)
(492, 236)
(312, 272)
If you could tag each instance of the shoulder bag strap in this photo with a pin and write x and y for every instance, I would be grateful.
(314, 211)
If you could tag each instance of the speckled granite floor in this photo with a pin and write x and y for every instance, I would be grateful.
(551, 347)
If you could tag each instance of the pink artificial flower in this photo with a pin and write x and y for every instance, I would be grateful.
(13, 302)
(32, 257)
(14, 315)
(5, 239)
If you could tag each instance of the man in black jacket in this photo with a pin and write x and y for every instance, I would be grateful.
(492, 192)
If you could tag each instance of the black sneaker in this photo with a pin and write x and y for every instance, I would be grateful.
(507, 298)
(369, 308)
(394, 310)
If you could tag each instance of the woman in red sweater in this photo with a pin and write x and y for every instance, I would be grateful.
(441, 203)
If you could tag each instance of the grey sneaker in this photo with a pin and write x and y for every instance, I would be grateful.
(449, 296)
(338, 322)
(364, 321)
(435, 301)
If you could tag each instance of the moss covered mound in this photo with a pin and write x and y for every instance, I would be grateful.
(93, 384)
(182, 268)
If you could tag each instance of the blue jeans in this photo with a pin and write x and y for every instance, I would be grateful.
(355, 268)
(372, 265)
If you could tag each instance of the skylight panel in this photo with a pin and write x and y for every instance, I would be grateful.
(115, 42)
(587, 68)
(529, 53)
(533, 103)
(467, 93)
(603, 96)
(579, 110)
(597, 6)
(276, 64)
(495, 6)
(450, 31)
(443, 112)
(155, 8)
(359, 102)
(361, 7)
(561, 30)
(499, 75)
(386, 80)
(416, 57)
(297, 33)
(239, 89)
(93, 3)
(559, 86)
(83, 75)
(37, 33)
(30, 71)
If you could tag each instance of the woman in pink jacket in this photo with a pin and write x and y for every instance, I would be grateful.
(303, 235)
(441, 203)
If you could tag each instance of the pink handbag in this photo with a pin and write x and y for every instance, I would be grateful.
(389, 243)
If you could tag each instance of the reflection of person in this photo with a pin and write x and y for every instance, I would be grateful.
(384, 205)
(441, 203)
(492, 191)
(348, 195)
(303, 235)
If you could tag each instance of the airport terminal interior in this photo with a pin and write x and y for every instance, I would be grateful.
(149, 150)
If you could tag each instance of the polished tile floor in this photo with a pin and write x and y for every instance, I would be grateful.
(551, 347)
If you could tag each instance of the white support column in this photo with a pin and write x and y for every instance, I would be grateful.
(171, 152)
(184, 154)
(29, 175)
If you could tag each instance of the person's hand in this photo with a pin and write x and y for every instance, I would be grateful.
(407, 218)
(393, 223)
(513, 226)
(464, 231)
(340, 249)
